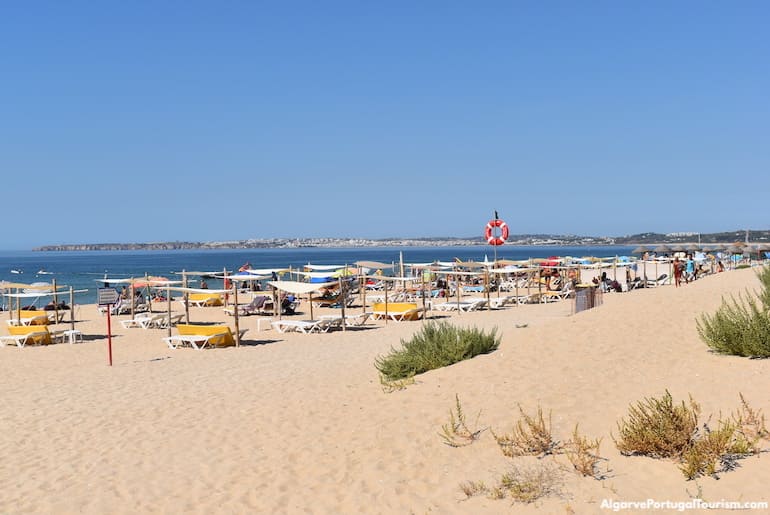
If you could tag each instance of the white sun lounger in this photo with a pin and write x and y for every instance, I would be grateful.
(350, 320)
(463, 305)
(143, 320)
(302, 326)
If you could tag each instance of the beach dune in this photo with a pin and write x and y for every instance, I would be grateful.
(295, 423)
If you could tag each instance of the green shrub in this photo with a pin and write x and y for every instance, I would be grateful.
(436, 345)
(658, 428)
(706, 452)
(763, 274)
(527, 485)
(738, 328)
(661, 429)
(531, 436)
(457, 433)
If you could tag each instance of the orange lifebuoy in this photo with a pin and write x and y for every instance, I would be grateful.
(489, 232)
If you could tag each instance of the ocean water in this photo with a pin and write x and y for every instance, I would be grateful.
(86, 269)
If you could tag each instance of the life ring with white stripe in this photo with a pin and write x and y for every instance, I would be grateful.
(490, 235)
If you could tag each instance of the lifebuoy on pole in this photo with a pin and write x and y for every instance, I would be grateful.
(490, 235)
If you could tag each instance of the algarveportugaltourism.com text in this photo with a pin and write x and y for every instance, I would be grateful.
(693, 504)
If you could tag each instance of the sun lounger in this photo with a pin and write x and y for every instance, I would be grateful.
(334, 302)
(501, 302)
(143, 320)
(463, 305)
(203, 299)
(52, 315)
(30, 317)
(350, 320)
(302, 326)
(201, 336)
(260, 305)
(398, 311)
(553, 296)
(123, 307)
(660, 281)
(28, 335)
(165, 320)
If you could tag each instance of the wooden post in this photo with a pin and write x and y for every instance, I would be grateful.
(344, 298)
(55, 302)
(18, 307)
(235, 315)
(168, 306)
(516, 286)
(72, 309)
(149, 292)
(385, 282)
(422, 290)
(186, 298)
(362, 288)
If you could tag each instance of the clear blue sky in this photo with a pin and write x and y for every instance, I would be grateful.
(169, 120)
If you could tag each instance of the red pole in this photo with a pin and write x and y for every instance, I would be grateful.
(109, 332)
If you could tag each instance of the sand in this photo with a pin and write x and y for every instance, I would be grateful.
(295, 423)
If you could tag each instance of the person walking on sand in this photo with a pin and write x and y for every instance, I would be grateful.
(677, 272)
(689, 272)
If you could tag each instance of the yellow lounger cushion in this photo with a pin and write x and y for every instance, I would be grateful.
(207, 299)
(224, 338)
(397, 307)
(43, 338)
(41, 317)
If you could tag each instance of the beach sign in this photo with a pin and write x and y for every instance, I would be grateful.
(108, 297)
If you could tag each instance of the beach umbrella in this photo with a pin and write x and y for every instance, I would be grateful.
(717, 247)
(677, 248)
(373, 264)
(662, 249)
(694, 247)
(641, 249)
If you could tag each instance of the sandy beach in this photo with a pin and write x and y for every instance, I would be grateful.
(296, 423)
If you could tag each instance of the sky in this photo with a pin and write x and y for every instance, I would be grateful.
(150, 121)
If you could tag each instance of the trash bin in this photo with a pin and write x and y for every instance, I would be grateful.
(585, 297)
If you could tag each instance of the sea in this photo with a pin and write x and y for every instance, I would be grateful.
(86, 270)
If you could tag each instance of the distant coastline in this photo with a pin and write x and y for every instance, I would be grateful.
(755, 236)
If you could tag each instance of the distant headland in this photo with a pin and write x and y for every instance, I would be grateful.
(757, 236)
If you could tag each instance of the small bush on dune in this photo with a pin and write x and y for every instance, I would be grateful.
(658, 428)
(531, 436)
(436, 345)
(661, 429)
(740, 327)
(707, 451)
(583, 453)
(527, 485)
(737, 328)
(749, 429)
(457, 433)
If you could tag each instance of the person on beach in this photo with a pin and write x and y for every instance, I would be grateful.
(204, 284)
(677, 272)
(720, 267)
(689, 269)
